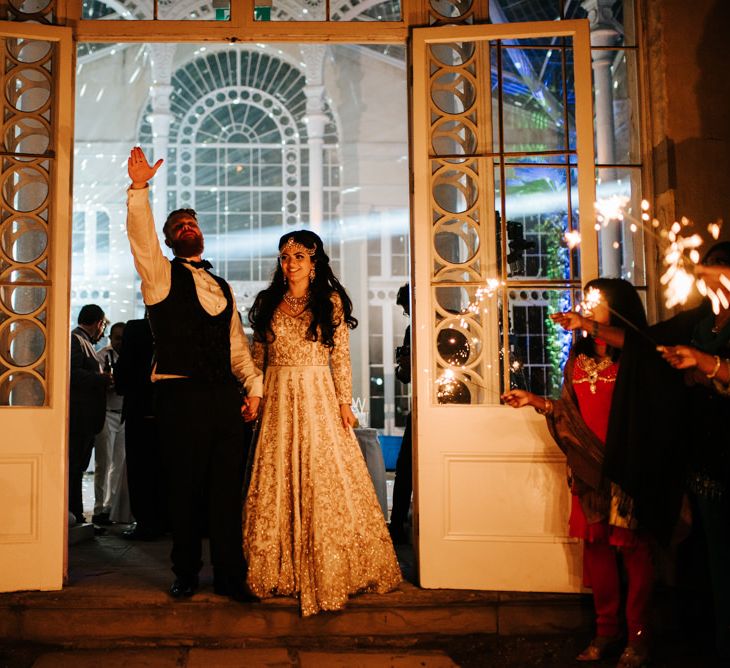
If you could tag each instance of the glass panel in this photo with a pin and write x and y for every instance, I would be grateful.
(538, 348)
(297, 10)
(538, 100)
(621, 229)
(40, 11)
(509, 11)
(167, 10)
(539, 202)
(24, 238)
(354, 10)
(615, 96)
(241, 137)
(610, 19)
(451, 11)
(464, 360)
(27, 144)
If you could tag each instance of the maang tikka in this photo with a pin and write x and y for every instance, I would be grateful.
(293, 246)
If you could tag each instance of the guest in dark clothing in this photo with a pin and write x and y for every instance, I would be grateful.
(87, 406)
(674, 437)
(706, 365)
(403, 485)
(145, 477)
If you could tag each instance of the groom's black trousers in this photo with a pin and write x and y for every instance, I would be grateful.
(205, 445)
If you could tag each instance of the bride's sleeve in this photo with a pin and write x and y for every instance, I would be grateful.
(340, 356)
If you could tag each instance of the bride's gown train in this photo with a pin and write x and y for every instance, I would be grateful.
(313, 527)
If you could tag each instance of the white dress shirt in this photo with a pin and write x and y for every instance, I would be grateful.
(155, 271)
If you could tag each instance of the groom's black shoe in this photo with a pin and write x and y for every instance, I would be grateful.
(183, 587)
(233, 587)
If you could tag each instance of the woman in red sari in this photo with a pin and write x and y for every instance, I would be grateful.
(601, 514)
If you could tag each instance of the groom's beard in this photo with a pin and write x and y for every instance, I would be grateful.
(188, 247)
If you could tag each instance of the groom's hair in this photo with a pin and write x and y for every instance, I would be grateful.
(178, 212)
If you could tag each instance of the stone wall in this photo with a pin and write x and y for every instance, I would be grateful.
(688, 108)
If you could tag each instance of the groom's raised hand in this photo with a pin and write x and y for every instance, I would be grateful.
(139, 170)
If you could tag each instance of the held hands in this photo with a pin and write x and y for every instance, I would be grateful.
(250, 408)
(139, 169)
(348, 417)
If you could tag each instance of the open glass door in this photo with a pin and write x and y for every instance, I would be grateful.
(503, 170)
(34, 291)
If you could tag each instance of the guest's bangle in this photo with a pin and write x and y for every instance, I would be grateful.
(547, 409)
(718, 361)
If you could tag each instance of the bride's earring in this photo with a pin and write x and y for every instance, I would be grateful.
(311, 274)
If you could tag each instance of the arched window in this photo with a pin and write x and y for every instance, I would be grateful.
(238, 155)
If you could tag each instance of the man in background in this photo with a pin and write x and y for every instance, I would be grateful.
(111, 500)
(87, 407)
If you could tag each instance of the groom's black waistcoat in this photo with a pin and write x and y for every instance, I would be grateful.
(188, 340)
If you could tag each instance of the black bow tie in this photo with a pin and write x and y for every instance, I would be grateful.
(203, 264)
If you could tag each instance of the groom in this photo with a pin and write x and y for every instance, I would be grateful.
(201, 358)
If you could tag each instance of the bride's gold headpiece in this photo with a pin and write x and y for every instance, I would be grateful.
(292, 246)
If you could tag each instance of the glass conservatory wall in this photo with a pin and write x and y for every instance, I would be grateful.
(238, 129)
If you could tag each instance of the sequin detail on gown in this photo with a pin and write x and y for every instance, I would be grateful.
(313, 527)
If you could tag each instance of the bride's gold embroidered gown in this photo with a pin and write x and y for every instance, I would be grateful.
(313, 527)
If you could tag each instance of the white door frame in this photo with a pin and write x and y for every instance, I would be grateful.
(492, 503)
(33, 446)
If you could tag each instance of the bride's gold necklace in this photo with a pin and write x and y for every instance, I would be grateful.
(296, 304)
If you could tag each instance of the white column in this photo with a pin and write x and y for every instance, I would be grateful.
(604, 34)
(316, 121)
(160, 118)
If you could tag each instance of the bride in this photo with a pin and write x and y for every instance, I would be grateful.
(313, 527)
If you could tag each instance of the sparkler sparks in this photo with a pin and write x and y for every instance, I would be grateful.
(485, 292)
(611, 208)
(572, 238)
(714, 229)
(591, 299)
(446, 385)
(680, 257)
(681, 254)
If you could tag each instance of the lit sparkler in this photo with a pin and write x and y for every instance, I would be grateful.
(714, 229)
(572, 238)
(486, 291)
(446, 385)
(591, 299)
(680, 257)
(611, 208)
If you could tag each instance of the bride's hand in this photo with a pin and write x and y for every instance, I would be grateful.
(348, 417)
(250, 408)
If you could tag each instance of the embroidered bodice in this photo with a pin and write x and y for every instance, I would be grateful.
(292, 347)
(593, 384)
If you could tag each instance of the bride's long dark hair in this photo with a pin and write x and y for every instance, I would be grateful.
(321, 289)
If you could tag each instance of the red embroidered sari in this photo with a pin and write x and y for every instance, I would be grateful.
(593, 385)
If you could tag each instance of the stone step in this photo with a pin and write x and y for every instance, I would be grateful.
(117, 597)
(96, 617)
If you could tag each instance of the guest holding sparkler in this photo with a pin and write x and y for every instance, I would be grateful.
(601, 512)
(706, 365)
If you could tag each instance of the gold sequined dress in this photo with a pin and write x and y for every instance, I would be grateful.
(313, 527)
